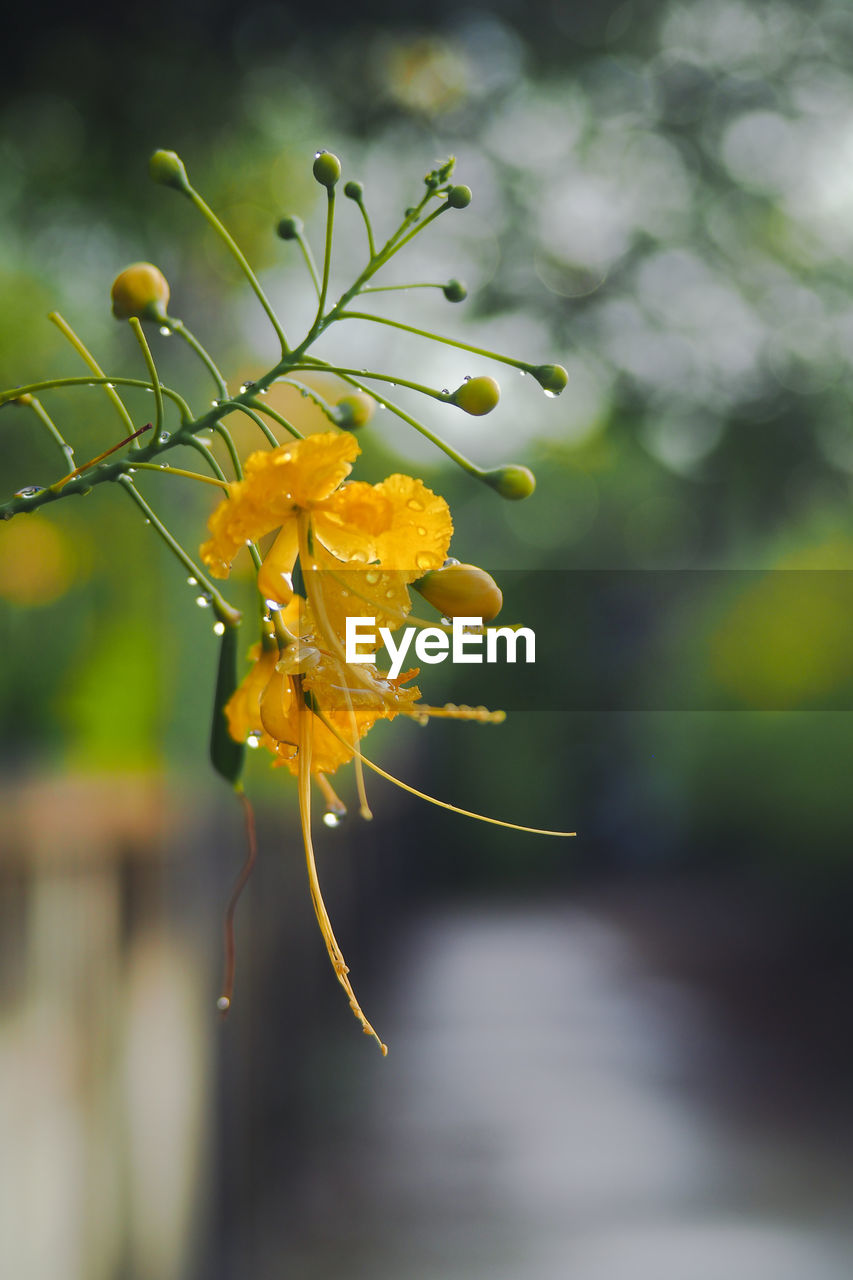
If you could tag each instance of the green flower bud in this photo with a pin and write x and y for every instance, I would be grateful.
(354, 191)
(167, 168)
(354, 410)
(455, 291)
(513, 482)
(477, 396)
(290, 228)
(142, 291)
(327, 169)
(461, 591)
(459, 197)
(551, 377)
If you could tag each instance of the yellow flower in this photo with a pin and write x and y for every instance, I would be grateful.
(299, 489)
(359, 547)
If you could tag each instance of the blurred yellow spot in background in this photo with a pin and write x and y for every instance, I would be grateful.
(37, 561)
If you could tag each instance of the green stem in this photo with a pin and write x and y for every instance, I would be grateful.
(231, 447)
(371, 243)
(152, 369)
(465, 463)
(209, 457)
(164, 469)
(310, 394)
(100, 381)
(238, 254)
(276, 417)
(224, 611)
(443, 396)
(524, 365)
(46, 420)
(309, 260)
(87, 357)
(178, 327)
(259, 422)
(390, 288)
(327, 255)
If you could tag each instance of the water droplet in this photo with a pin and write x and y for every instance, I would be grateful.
(372, 576)
(131, 471)
(331, 819)
(207, 441)
(445, 622)
(223, 1004)
(552, 395)
(214, 404)
(286, 456)
(358, 556)
(445, 391)
(219, 628)
(467, 377)
(111, 386)
(164, 437)
(450, 560)
(202, 602)
(345, 593)
(421, 531)
(414, 505)
(192, 582)
(523, 373)
(263, 391)
(29, 491)
(253, 740)
(389, 594)
(165, 331)
(422, 560)
(273, 606)
(147, 521)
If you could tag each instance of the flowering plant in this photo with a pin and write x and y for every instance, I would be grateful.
(340, 548)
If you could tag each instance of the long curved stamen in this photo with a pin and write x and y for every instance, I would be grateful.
(318, 604)
(442, 804)
(304, 718)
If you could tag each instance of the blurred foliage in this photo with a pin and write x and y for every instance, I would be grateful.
(662, 202)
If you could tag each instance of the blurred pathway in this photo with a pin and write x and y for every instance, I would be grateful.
(538, 1119)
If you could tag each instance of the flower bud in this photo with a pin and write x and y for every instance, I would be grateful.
(327, 169)
(459, 197)
(552, 378)
(455, 291)
(512, 481)
(142, 291)
(354, 410)
(461, 591)
(477, 396)
(354, 191)
(290, 228)
(167, 168)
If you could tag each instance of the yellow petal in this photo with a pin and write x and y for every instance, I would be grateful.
(276, 484)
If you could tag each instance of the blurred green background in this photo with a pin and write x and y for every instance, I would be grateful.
(662, 203)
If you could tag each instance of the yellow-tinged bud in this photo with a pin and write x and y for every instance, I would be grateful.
(477, 396)
(455, 291)
(512, 481)
(291, 227)
(327, 169)
(142, 291)
(354, 410)
(461, 591)
(167, 168)
(552, 378)
(459, 197)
